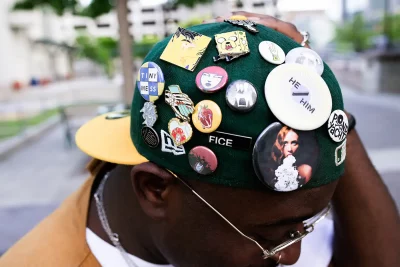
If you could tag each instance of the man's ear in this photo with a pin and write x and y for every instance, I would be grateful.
(153, 187)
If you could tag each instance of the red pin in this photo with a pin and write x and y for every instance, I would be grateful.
(211, 79)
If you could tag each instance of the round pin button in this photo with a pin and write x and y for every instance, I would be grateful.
(211, 79)
(338, 125)
(203, 160)
(150, 81)
(285, 159)
(271, 52)
(241, 96)
(298, 97)
(306, 57)
(207, 116)
(150, 137)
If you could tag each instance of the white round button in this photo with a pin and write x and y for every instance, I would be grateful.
(298, 97)
(272, 52)
(338, 126)
(306, 57)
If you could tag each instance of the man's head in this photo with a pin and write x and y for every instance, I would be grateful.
(184, 229)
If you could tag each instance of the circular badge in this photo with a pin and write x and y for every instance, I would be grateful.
(203, 160)
(211, 79)
(150, 137)
(338, 126)
(306, 57)
(241, 96)
(285, 159)
(207, 116)
(150, 81)
(271, 52)
(298, 97)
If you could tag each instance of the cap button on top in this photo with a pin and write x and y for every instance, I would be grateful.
(207, 116)
(241, 96)
(203, 160)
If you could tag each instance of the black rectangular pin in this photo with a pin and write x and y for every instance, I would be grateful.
(230, 140)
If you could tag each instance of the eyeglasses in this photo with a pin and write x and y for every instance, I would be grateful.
(295, 237)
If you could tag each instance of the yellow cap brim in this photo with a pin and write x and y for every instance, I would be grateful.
(109, 140)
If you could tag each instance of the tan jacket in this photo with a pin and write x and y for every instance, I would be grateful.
(60, 239)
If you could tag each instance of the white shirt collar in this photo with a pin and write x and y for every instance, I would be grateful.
(109, 256)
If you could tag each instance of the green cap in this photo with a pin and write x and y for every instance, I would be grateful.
(235, 164)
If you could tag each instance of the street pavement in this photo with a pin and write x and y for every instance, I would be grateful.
(37, 178)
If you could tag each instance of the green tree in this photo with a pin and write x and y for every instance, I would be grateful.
(58, 6)
(394, 27)
(99, 50)
(192, 22)
(355, 33)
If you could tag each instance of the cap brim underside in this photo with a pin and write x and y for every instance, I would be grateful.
(109, 140)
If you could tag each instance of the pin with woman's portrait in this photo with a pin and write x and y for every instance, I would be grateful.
(285, 159)
(211, 79)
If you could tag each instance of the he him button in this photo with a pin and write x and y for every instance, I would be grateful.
(207, 116)
(241, 96)
(298, 97)
(203, 160)
(150, 81)
(338, 125)
(282, 158)
(272, 52)
(211, 79)
(306, 57)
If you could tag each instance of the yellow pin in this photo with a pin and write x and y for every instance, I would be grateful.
(238, 17)
(207, 116)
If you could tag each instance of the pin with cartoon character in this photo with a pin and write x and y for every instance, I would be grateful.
(231, 45)
(185, 49)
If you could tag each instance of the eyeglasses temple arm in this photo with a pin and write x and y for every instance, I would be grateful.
(219, 214)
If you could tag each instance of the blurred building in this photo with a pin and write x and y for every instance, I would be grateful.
(161, 20)
(33, 47)
(316, 22)
(372, 9)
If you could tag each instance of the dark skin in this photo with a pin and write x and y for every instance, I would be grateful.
(164, 222)
(161, 221)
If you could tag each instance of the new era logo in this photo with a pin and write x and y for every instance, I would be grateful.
(168, 145)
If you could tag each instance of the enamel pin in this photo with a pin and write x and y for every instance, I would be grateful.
(149, 135)
(231, 45)
(181, 132)
(185, 49)
(246, 24)
(181, 103)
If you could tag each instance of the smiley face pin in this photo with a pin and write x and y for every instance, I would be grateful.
(207, 116)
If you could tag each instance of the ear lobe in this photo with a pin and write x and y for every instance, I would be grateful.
(153, 187)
